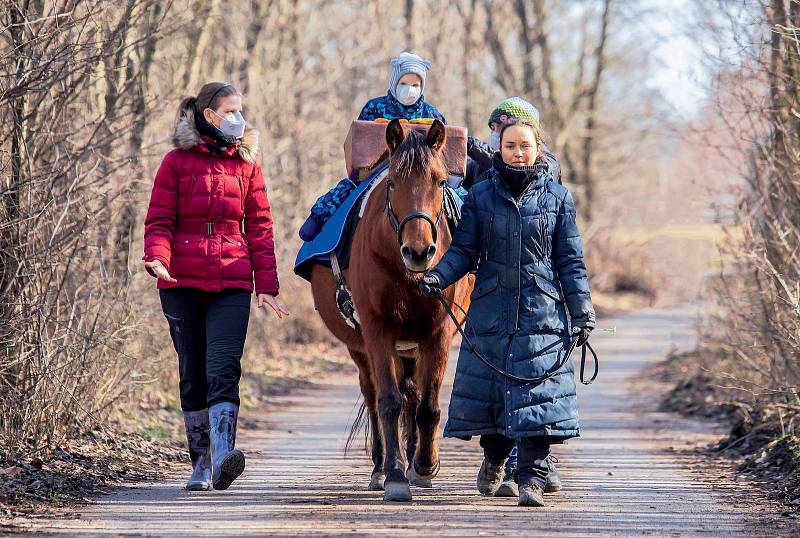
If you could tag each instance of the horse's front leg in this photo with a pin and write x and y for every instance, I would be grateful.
(429, 374)
(380, 348)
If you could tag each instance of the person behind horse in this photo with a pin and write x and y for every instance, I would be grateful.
(404, 100)
(208, 236)
(531, 289)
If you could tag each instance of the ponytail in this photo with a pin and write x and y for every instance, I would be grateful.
(187, 103)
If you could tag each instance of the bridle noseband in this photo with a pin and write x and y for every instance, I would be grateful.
(398, 226)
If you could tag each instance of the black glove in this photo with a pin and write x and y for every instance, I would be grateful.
(583, 334)
(429, 285)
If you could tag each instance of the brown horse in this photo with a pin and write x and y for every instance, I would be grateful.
(402, 348)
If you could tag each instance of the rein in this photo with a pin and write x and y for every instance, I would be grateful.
(399, 225)
(534, 380)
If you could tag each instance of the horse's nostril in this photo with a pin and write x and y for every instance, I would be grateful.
(418, 257)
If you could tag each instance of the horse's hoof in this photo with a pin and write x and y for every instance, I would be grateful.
(376, 482)
(396, 491)
(416, 480)
(430, 475)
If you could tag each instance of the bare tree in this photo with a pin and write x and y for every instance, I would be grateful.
(61, 311)
(588, 179)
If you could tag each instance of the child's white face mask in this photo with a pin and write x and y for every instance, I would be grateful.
(408, 95)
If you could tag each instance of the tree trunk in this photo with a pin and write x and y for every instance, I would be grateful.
(209, 14)
(128, 214)
(257, 20)
(408, 14)
(468, 16)
(297, 94)
(503, 73)
(591, 110)
(9, 231)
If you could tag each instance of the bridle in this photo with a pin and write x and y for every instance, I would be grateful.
(399, 225)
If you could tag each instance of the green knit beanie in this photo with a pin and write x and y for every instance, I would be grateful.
(517, 108)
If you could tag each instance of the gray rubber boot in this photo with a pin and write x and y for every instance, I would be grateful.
(489, 477)
(198, 439)
(228, 463)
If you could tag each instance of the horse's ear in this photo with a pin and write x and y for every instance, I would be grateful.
(436, 136)
(394, 135)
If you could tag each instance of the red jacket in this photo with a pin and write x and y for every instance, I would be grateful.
(209, 220)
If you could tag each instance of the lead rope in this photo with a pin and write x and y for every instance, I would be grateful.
(534, 380)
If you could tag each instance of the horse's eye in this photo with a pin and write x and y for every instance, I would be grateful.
(391, 184)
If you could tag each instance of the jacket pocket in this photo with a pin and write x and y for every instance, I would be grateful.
(235, 246)
(552, 290)
(545, 305)
(176, 331)
(189, 256)
(236, 263)
(485, 311)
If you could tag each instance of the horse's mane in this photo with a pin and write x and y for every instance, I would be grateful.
(415, 157)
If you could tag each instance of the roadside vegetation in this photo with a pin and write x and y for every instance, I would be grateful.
(746, 368)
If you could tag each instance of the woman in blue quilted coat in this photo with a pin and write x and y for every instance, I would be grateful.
(531, 294)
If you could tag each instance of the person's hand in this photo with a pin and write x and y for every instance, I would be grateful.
(159, 270)
(273, 303)
(583, 334)
(429, 285)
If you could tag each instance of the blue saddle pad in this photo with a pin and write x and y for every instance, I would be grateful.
(334, 236)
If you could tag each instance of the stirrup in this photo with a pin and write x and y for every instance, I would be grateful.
(344, 299)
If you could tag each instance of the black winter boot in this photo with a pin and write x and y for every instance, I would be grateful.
(553, 483)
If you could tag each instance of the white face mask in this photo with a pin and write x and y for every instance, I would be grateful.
(408, 95)
(494, 141)
(232, 124)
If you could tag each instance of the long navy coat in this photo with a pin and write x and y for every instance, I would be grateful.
(531, 287)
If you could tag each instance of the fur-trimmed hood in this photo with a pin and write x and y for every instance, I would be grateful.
(187, 136)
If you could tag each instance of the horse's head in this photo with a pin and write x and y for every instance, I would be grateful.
(415, 191)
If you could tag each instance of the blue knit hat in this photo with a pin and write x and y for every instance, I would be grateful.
(406, 63)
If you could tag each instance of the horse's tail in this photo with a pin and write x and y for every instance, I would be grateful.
(360, 423)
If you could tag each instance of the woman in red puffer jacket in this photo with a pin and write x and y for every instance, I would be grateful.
(208, 236)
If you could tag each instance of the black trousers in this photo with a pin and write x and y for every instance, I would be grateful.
(531, 460)
(208, 330)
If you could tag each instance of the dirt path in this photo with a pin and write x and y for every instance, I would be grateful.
(628, 475)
